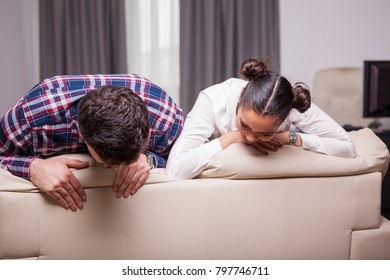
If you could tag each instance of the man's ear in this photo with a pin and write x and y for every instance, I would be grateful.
(78, 128)
(147, 141)
(79, 131)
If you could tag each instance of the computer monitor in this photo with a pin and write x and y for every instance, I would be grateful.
(376, 89)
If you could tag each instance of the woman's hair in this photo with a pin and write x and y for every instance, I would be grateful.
(114, 122)
(270, 94)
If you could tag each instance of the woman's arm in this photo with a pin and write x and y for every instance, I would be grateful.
(193, 150)
(320, 133)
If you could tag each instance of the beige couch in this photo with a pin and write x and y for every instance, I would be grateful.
(293, 204)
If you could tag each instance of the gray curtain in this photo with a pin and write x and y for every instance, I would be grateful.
(217, 35)
(82, 37)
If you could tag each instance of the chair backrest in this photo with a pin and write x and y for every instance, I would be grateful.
(339, 92)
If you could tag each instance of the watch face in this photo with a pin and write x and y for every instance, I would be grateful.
(150, 161)
(293, 137)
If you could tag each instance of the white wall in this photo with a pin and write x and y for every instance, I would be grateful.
(18, 50)
(318, 34)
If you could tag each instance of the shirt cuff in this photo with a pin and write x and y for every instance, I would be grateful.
(309, 142)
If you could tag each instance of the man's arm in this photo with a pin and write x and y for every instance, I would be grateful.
(158, 160)
(52, 176)
(17, 155)
(9, 158)
(17, 165)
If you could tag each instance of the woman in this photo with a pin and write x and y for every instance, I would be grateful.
(264, 111)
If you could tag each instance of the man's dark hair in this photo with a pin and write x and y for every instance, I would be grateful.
(114, 122)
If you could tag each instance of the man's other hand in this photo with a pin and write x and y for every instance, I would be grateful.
(131, 177)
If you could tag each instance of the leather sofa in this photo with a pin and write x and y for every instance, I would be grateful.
(292, 204)
(337, 90)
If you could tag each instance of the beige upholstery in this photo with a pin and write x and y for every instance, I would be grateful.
(339, 92)
(243, 162)
(324, 215)
(367, 244)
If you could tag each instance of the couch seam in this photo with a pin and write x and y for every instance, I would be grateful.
(208, 222)
(128, 228)
(38, 225)
(354, 219)
(283, 220)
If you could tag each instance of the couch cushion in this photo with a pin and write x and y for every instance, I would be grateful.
(96, 175)
(240, 161)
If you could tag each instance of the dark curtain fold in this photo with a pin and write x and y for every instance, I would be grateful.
(217, 35)
(82, 37)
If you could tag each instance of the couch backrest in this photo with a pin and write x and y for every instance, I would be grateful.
(240, 161)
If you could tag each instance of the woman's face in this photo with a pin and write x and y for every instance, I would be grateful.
(255, 127)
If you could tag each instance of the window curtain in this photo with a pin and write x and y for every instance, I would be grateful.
(152, 31)
(82, 37)
(19, 50)
(217, 35)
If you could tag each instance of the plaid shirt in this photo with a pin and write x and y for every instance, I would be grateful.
(44, 122)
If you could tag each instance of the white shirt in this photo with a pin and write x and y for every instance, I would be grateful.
(214, 114)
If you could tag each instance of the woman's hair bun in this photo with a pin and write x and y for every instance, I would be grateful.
(302, 98)
(252, 69)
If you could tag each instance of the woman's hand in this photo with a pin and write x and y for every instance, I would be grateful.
(263, 146)
(231, 137)
(238, 137)
(278, 140)
(283, 138)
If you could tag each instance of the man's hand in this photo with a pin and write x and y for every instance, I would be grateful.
(131, 177)
(54, 177)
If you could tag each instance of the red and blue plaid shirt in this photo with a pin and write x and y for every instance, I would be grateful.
(44, 122)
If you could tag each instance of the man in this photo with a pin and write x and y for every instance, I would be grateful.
(124, 121)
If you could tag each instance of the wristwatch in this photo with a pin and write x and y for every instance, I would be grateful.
(293, 136)
(150, 160)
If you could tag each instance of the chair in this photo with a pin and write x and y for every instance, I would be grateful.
(339, 92)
